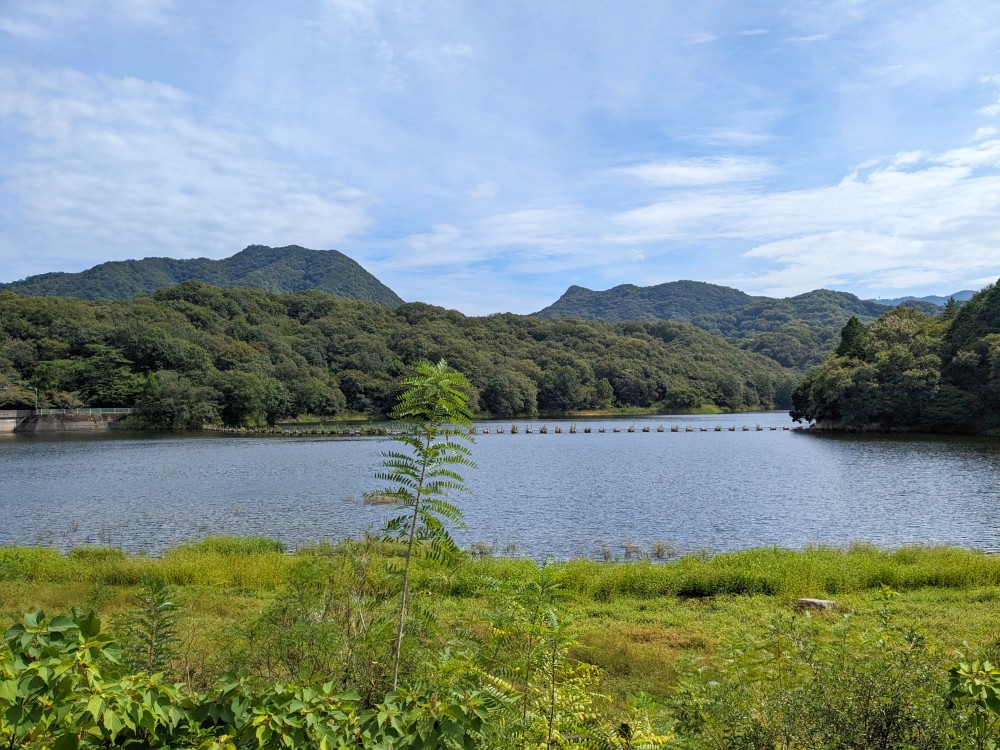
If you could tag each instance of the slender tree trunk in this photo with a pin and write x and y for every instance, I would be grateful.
(527, 663)
(403, 599)
(552, 689)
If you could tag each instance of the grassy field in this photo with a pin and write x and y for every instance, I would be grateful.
(635, 620)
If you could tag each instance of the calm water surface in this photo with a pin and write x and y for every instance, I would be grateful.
(569, 495)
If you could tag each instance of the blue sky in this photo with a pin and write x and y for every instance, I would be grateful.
(485, 155)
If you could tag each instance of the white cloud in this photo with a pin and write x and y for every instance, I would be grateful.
(442, 236)
(990, 111)
(702, 38)
(484, 190)
(809, 38)
(692, 172)
(122, 167)
(915, 218)
(732, 138)
(41, 18)
(860, 260)
(907, 158)
(458, 50)
(21, 27)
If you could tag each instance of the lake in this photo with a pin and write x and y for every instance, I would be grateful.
(586, 495)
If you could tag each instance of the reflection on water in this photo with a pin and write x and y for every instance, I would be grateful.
(565, 494)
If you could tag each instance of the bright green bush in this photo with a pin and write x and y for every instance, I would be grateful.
(60, 689)
(826, 685)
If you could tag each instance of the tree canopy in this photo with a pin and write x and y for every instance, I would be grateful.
(195, 353)
(280, 269)
(907, 370)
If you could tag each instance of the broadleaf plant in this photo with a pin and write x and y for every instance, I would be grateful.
(435, 420)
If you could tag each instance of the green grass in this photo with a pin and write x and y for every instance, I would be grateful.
(262, 563)
(635, 620)
(220, 561)
(815, 572)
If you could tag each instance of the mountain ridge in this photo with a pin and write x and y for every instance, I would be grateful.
(291, 268)
(796, 332)
(674, 300)
(934, 299)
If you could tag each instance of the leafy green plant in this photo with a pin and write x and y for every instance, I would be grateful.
(976, 685)
(57, 689)
(56, 692)
(523, 649)
(333, 617)
(436, 417)
(152, 628)
(819, 685)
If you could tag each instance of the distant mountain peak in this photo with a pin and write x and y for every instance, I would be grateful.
(933, 299)
(280, 269)
(673, 300)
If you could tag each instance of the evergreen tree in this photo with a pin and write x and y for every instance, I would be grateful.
(853, 339)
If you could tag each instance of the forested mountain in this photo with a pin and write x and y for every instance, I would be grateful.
(278, 269)
(796, 332)
(931, 299)
(911, 371)
(195, 353)
(675, 300)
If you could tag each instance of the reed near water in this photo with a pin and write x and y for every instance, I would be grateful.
(815, 571)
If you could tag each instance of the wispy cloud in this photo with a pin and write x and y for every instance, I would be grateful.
(694, 172)
(809, 38)
(991, 110)
(893, 225)
(513, 147)
(123, 168)
(703, 38)
(732, 138)
(37, 20)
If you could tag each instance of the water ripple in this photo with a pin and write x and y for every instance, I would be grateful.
(582, 494)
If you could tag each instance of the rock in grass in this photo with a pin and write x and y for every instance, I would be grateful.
(815, 604)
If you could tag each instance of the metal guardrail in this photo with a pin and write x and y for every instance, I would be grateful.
(95, 410)
(15, 413)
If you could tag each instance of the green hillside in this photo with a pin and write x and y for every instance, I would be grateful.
(910, 371)
(278, 269)
(196, 353)
(675, 300)
(796, 332)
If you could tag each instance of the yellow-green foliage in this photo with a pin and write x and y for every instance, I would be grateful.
(260, 563)
(635, 619)
(816, 571)
(220, 561)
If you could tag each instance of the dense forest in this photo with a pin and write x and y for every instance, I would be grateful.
(797, 332)
(194, 354)
(276, 269)
(675, 300)
(910, 371)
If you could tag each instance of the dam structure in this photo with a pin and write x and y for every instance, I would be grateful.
(60, 420)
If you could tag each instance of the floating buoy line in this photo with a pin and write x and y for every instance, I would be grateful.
(513, 430)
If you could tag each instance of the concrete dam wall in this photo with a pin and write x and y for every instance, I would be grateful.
(23, 420)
